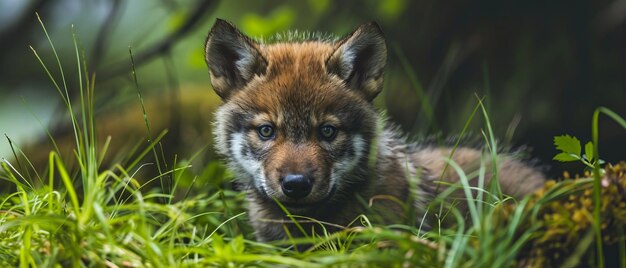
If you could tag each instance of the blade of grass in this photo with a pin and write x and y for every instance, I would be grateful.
(67, 181)
(26, 259)
(145, 115)
(471, 203)
(459, 242)
(596, 176)
(66, 95)
(494, 185)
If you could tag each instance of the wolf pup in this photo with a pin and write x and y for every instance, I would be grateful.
(298, 128)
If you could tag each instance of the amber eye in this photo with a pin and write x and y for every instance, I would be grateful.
(266, 132)
(328, 132)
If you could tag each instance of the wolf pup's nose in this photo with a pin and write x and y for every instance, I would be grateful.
(296, 185)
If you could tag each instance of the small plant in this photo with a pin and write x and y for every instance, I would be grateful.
(571, 151)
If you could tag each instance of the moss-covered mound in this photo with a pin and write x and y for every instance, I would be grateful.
(562, 213)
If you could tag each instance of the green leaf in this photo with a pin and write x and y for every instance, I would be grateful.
(218, 245)
(589, 151)
(237, 244)
(565, 157)
(567, 144)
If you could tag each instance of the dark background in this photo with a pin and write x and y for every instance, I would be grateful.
(542, 66)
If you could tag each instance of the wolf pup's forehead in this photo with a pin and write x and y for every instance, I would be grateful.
(298, 36)
(237, 62)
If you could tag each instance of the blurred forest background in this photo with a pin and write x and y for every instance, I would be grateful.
(544, 66)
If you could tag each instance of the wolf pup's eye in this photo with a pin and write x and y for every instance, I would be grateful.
(328, 132)
(266, 132)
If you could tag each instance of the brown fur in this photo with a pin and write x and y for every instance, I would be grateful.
(298, 87)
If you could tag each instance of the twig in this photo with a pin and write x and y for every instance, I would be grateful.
(200, 12)
(23, 22)
(104, 33)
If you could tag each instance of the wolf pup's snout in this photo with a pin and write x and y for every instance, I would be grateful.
(296, 185)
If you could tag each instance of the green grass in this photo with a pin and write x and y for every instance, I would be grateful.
(96, 216)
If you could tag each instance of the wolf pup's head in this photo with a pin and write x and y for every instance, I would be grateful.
(297, 120)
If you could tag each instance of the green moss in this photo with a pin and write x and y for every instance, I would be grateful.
(563, 211)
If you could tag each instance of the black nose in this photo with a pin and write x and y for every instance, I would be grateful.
(296, 185)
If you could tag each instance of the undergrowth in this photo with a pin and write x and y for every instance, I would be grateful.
(108, 217)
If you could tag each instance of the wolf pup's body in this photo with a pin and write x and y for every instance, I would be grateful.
(298, 127)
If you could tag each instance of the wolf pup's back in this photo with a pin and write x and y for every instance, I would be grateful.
(298, 127)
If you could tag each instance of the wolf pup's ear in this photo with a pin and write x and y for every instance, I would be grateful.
(233, 58)
(360, 60)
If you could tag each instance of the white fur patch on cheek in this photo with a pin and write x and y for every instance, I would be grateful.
(347, 164)
(219, 130)
(250, 165)
(247, 163)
